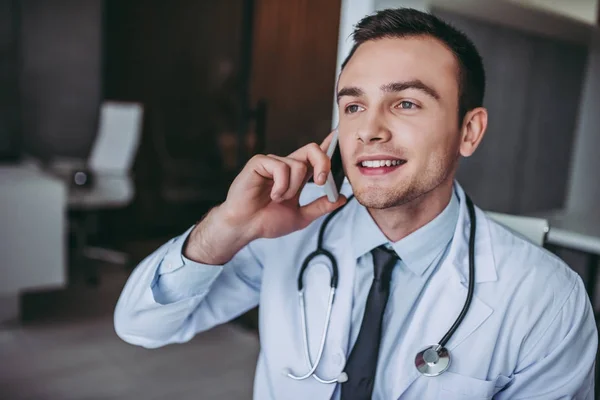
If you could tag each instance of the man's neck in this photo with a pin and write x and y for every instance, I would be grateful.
(400, 221)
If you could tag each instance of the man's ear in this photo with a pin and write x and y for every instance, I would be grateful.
(472, 131)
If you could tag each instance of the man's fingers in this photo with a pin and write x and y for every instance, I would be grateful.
(290, 174)
(276, 170)
(317, 158)
(320, 207)
(298, 174)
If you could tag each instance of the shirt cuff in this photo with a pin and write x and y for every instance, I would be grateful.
(179, 278)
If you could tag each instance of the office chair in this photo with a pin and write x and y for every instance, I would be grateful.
(533, 229)
(106, 181)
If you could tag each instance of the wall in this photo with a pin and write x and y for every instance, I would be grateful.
(180, 59)
(583, 10)
(584, 184)
(294, 69)
(10, 129)
(60, 75)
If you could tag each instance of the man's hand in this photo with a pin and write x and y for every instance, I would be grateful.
(263, 202)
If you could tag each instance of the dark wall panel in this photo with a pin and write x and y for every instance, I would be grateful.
(10, 132)
(61, 75)
(550, 128)
(181, 60)
(294, 69)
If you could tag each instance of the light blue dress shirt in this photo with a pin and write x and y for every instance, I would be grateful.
(420, 254)
(530, 330)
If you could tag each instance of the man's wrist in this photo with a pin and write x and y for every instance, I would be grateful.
(213, 240)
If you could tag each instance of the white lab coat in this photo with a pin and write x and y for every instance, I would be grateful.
(529, 332)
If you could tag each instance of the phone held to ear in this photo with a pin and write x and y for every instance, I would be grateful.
(335, 178)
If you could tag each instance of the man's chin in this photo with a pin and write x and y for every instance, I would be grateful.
(378, 199)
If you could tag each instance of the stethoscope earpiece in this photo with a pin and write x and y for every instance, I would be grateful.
(342, 378)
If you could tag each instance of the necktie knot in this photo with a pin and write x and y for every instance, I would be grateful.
(384, 261)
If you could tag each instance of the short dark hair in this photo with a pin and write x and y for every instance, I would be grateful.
(407, 22)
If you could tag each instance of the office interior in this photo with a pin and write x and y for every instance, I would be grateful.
(123, 122)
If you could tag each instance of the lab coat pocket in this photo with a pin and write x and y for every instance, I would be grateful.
(453, 386)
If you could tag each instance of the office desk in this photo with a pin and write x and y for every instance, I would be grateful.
(32, 234)
(577, 231)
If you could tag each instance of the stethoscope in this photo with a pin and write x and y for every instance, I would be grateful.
(431, 361)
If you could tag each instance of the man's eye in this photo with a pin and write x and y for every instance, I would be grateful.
(353, 108)
(407, 105)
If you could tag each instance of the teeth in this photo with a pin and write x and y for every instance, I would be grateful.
(380, 163)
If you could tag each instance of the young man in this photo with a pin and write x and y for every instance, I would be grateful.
(410, 99)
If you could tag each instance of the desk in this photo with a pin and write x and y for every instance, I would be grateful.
(577, 231)
(32, 234)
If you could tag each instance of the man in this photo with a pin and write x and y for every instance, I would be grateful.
(410, 99)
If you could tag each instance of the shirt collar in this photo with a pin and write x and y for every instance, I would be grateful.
(417, 250)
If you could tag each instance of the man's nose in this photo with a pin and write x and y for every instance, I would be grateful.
(373, 129)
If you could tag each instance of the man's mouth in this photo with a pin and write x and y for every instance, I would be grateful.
(380, 167)
(381, 163)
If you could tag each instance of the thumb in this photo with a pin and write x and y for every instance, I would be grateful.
(320, 207)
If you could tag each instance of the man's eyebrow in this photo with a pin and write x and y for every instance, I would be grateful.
(414, 84)
(351, 91)
(393, 87)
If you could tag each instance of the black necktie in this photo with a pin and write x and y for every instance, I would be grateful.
(362, 363)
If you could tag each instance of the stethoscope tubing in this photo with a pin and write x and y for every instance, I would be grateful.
(321, 251)
(471, 285)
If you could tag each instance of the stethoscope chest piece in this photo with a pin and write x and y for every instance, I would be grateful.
(433, 360)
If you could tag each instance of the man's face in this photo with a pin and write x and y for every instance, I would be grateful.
(399, 131)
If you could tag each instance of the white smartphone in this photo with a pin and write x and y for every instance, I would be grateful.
(335, 178)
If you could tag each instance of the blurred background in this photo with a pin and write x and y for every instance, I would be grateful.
(123, 121)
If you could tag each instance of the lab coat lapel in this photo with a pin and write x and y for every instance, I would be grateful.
(440, 306)
(444, 298)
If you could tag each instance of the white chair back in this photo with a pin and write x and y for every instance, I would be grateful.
(531, 228)
(118, 138)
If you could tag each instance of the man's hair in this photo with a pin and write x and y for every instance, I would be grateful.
(407, 22)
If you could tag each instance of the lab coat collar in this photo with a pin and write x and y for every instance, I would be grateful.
(417, 250)
(485, 264)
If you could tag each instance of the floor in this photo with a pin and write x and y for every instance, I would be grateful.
(66, 348)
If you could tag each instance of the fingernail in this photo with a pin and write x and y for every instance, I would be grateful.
(322, 177)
